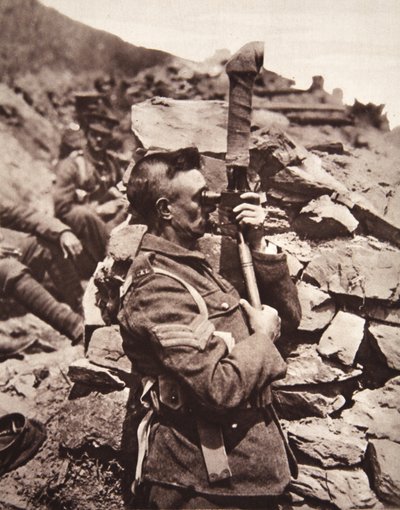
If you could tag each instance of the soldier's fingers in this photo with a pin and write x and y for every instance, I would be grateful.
(250, 195)
(246, 214)
(245, 206)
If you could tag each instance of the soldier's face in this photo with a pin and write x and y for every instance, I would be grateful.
(189, 215)
(98, 141)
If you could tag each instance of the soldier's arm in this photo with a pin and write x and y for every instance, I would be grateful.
(275, 285)
(27, 219)
(160, 313)
(65, 186)
(277, 288)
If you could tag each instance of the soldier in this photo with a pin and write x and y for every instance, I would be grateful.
(83, 180)
(207, 358)
(24, 261)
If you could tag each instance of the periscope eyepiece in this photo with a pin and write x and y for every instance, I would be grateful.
(210, 198)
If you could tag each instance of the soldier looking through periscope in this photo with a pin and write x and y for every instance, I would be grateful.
(207, 358)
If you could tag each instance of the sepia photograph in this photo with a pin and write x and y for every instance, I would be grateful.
(199, 254)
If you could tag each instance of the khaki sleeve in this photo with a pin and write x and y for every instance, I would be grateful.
(160, 314)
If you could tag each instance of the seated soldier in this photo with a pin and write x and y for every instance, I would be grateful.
(24, 260)
(83, 180)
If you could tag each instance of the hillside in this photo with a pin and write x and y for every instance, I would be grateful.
(33, 37)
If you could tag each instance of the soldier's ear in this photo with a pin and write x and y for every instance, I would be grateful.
(163, 208)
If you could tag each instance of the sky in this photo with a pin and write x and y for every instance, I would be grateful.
(354, 44)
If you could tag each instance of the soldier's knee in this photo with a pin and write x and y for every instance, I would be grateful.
(11, 271)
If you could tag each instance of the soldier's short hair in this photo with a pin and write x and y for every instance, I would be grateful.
(151, 175)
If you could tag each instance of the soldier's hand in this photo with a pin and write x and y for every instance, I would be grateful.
(250, 215)
(70, 244)
(265, 321)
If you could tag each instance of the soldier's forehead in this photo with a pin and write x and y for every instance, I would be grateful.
(190, 178)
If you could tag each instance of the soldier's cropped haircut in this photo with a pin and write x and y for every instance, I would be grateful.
(151, 175)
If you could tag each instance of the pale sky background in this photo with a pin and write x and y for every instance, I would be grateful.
(354, 44)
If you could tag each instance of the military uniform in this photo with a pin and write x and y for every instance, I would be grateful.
(79, 179)
(207, 371)
(23, 256)
(30, 239)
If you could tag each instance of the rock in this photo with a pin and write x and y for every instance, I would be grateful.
(317, 307)
(169, 124)
(214, 171)
(377, 411)
(23, 384)
(343, 337)
(384, 459)
(308, 179)
(96, 420)
(105, 350)
(92, 313)
(359, 268)
(35, 131)
(272, 150)
(297, 404)
(386, 340)
(379, 312)
(329, 147)
(385, 228)
(124, 241)
(330, 443)
(322, 218)
(294, 265)
(306, 367)
(83, 372)
(344, 489)
(261, 118)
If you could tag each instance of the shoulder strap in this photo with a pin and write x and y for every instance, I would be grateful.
(201, 304)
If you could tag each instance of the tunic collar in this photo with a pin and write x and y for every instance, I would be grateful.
(160, 245)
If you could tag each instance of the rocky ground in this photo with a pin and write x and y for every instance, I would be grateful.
(332, 185)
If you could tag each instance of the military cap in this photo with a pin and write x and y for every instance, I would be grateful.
(106, 119)
(88, 99)
(100, 129)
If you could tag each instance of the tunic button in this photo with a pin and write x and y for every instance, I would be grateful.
(225, 306)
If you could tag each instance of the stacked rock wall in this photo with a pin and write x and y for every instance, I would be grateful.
(339, 401)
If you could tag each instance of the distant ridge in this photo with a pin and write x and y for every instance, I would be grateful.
(34, 37)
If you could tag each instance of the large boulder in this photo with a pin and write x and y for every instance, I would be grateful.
(170, 124)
